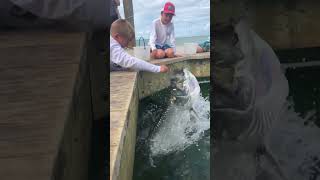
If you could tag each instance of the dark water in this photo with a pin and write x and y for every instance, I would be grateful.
(298, 55)
(304, 88)
(192, 163)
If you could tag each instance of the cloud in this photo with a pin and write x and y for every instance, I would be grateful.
(192, 16)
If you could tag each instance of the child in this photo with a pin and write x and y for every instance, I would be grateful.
(162, 39)
(121, 34)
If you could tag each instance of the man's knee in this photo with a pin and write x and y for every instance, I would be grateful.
(159, 54)
(170, 53)
(153, 54)
(199, 50)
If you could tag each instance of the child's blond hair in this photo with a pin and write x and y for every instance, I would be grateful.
(122, 27)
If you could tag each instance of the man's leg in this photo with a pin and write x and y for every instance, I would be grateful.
(203, 47)
(199, 49)
(157, 54)
(169, 53)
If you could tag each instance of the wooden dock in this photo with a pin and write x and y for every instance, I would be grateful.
(46, 108)
(123, 123)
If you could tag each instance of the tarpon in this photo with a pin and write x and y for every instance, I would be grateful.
(248, 103)
(186, 117)
(185, 88)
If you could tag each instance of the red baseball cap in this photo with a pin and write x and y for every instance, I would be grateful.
(169, 8)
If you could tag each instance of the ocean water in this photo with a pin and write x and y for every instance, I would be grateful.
(180, 40)
(175, 162)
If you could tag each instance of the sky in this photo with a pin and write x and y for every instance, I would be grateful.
(192, 16)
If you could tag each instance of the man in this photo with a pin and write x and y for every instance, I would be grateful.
(162, 37)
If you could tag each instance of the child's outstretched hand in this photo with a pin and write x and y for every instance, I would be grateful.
(164, 69)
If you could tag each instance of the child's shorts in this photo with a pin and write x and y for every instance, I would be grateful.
(205, 46)
(164, 47)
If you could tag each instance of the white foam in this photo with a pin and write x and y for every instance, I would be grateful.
(295, 144)
(179, 128)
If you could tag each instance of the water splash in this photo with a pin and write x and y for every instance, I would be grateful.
(296, 145)
(182, 125)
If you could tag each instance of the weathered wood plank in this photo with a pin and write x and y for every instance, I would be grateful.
(38, 76)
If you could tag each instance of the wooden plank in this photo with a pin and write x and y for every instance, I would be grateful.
(39, 38)
(98, 77)
(81, 131)
(286, 24)
(128, 13)
(28, 167)
(47, 56)
(38, 72)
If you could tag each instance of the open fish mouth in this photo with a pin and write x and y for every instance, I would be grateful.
(182, 100)
(184, 88)
(179, 94)
(180, 97)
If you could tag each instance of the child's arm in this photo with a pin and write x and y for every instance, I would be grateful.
(153, 36)
(122, 58)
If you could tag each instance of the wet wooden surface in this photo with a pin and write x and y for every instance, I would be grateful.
(38, 72)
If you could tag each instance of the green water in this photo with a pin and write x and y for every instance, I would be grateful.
(192, 163)
(305, 91)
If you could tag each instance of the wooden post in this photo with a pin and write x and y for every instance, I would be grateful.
(128, 13)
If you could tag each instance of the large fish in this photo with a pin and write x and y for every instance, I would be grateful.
(185, 119)
(248, 105)
(185, 88)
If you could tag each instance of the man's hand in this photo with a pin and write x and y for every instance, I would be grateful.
(164, 69)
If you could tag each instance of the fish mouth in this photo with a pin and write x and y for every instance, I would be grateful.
(181, 100)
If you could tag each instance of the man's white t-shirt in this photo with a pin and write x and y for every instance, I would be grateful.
(120, 57)
(162, 34)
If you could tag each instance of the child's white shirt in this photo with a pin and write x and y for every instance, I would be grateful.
(162, 34)
(120, 57)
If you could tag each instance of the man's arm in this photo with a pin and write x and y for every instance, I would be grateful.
(173, 39)
(153, 36)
